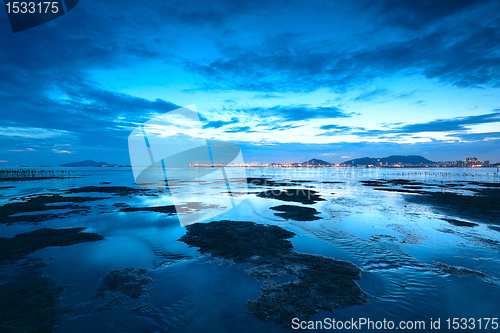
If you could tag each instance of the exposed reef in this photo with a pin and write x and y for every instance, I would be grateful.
(121, 285)
(399, 190)
(481, 208)
(115, 190)
(460, 223)
(459, 271)
(40, 203)
(169, 210)
(373, 183)
(320, 283)
(447, 198)
(296, 213)
(494, 228)
(384, 238)
(30, 301)
(21, 245)
(404, 182)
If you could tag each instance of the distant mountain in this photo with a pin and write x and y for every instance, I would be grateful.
(88, 163)
(394, 159)
(315, 161)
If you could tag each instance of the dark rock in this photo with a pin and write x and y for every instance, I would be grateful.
(119, 285)
(40, 203)
(321, 283)
(23, 244)
(459, 223)
(296, 213)
(30, 302)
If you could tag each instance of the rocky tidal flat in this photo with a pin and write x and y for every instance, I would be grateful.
(87, 253)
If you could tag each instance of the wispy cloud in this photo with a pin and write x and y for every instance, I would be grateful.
(57, 151)
(32, 133)
(371, 95)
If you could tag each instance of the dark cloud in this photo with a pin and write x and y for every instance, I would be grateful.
(240, 129)
(466, 58)
(446, 125)
(298, 112)
(281, 117)
(220, 123)
(47, 84)
(333, 126)
(418, 14)
(458, 124)
(217, 13)
(477, 136)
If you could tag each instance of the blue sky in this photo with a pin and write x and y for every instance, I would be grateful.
(286, 80)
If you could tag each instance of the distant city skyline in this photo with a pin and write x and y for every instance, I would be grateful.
(285, 80)
(467, 162)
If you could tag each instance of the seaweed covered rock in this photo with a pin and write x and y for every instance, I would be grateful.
(40, 203)
(23, 244)
(321, 283)
(296, 213)
(121, 284)
(238, 241)
(30, 301)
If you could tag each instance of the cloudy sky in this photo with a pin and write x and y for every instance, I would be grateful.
(287, 80)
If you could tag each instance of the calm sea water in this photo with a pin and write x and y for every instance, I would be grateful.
(195, 294)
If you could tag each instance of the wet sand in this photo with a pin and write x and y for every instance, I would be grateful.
(115, 190)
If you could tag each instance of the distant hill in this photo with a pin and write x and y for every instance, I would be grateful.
(394, 159)
(88, 163)
(315, 161)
